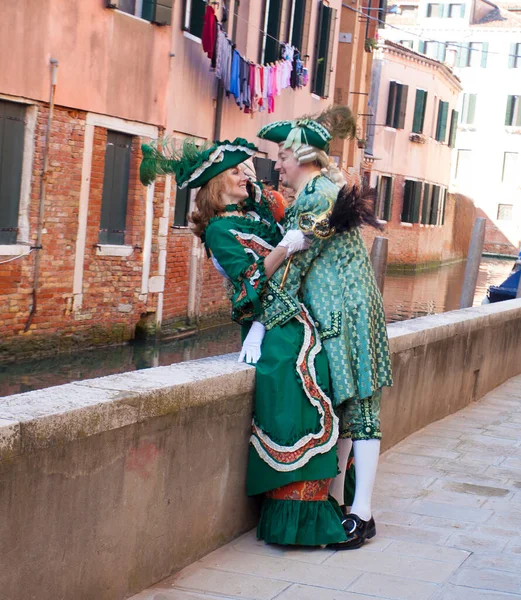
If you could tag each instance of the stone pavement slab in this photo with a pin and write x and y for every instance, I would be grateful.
(448, 513)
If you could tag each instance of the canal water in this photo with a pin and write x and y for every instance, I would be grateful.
(406, 296)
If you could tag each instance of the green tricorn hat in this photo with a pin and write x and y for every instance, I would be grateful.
(299, 131)
(194, 165)
(315, 130)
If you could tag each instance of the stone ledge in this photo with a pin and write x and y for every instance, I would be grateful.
(406, 335)
(53, 416)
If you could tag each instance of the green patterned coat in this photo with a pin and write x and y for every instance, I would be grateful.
(335, 280)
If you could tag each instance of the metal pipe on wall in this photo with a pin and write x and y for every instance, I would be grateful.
(43, 188)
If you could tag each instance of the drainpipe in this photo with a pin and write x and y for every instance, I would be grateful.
(43, 181)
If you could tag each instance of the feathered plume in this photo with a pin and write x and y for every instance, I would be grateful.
(353, 208)
(162, 158)
(338, 120)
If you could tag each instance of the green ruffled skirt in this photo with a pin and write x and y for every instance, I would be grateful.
(294, 439)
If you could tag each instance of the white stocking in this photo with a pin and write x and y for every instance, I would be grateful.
(367, 453)
(336, 489)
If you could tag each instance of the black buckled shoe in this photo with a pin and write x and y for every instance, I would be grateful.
(357, 532)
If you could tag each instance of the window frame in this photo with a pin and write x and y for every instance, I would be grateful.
(500, 217)
(187, 24)
(451, 6)
(106, 235)
(469, 104)
(158, 12)
(460, 153)
(324, 48)
(412, 214)
(396, 105)
(511, 179)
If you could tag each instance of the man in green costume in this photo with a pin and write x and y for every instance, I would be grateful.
(335, 280)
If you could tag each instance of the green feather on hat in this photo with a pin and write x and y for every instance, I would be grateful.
(194, 165)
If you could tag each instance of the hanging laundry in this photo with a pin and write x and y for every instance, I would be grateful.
(209, 34)
(234, 88)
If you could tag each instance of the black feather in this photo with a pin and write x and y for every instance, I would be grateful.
(353, 208)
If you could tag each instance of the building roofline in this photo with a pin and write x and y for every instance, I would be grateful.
(389, 46)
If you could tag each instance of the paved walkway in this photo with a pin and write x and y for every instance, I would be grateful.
(448, 515)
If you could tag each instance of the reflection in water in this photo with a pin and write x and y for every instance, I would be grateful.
(406, 296)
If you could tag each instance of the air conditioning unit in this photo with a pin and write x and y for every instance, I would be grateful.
(418, 138)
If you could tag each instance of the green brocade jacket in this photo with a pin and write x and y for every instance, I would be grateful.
(335, 281)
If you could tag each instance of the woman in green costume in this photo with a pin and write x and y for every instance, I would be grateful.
(292, 453)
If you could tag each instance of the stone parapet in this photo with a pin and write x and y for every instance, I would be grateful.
(111, 484)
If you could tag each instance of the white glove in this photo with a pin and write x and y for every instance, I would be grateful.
(218, 267)
(251, 348)
(295, 241)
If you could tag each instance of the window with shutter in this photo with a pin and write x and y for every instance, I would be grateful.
(411, 201)
(453, 128)
(435, 11)
(504, 212)
(391, 104)
(513, 114)
(298, 11)
(435, 205)
(183, 199)
(329, 58)
(383, 208)
(456, 11)
(464, 55)
(468, 111)
(270, 45)
(514, 57)
(322, 48)
(12, 117)
(155, 11)
(194, 17)
(475, 55)
(441, 125)
(115, 188)
(427, 202)
(420, 107)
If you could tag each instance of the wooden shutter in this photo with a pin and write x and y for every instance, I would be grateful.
(330, 50)
(388, 208)
(419, 111)
(509, 117)
(322, 47)
(11, 158)
(441, 126)
(463, 55)
(433, 217)
(115, 188)
(484, 54)
(442, 51)
(471, 109)
(391, 103)
(421, 47)
(297, 33)
(426, 206)
(193, 19)
(272, 46)
(401, 107)
(512, 56)
(453, 128)
(182, 206)
(416, 201)
(407, 201)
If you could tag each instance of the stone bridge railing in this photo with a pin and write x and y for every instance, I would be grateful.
(111, 484)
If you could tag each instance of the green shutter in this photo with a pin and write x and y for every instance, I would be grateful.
(272, 51)
(484, 54)
(321, 49)
(331, 47)
(115, 188)
(463, 55)
(401, 106)
(512, 56)
(182, 206)
(517, 99)
(442, 51)
(12, 117)
(441, 125)
(388, 208)
(391, 103)
(471, 110)
(407, 201)
(509, 117)
(299, 15)
(421, 47)
(433, 217)
(197, 10)
(453, 128)
(417, 198)
(426, 206)
(419, 111)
